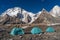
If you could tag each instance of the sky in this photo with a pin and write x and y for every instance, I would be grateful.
(29, 5)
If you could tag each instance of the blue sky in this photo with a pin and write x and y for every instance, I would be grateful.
(29, 5)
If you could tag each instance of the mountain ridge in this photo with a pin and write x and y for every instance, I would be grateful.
(29, 17)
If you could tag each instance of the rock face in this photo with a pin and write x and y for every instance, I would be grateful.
(41, 17)
(11, 20)
(45, 17)
(20, 13)
(4, 19)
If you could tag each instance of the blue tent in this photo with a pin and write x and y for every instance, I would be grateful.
(36, 30)
(17, 31)
(50, 29)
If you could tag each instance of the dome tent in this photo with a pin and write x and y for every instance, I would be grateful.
(17, 31)
(50, 29)
(36, 30)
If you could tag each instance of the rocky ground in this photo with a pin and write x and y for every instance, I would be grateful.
(4, 35)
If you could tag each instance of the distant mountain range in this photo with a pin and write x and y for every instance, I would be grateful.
(17, 15)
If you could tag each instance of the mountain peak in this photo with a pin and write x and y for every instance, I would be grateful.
(12, 11)
(55, 11)
(44, 10)
(20, 13)
(56, 6)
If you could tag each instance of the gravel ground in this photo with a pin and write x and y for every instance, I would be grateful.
(46, 36)
(4, 35)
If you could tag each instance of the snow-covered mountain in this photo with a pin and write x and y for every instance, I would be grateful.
(29, 17)
(20, 13)
(55, 11)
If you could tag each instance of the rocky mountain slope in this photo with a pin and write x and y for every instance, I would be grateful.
(45, 17)
(6, 19)
(18, 15)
